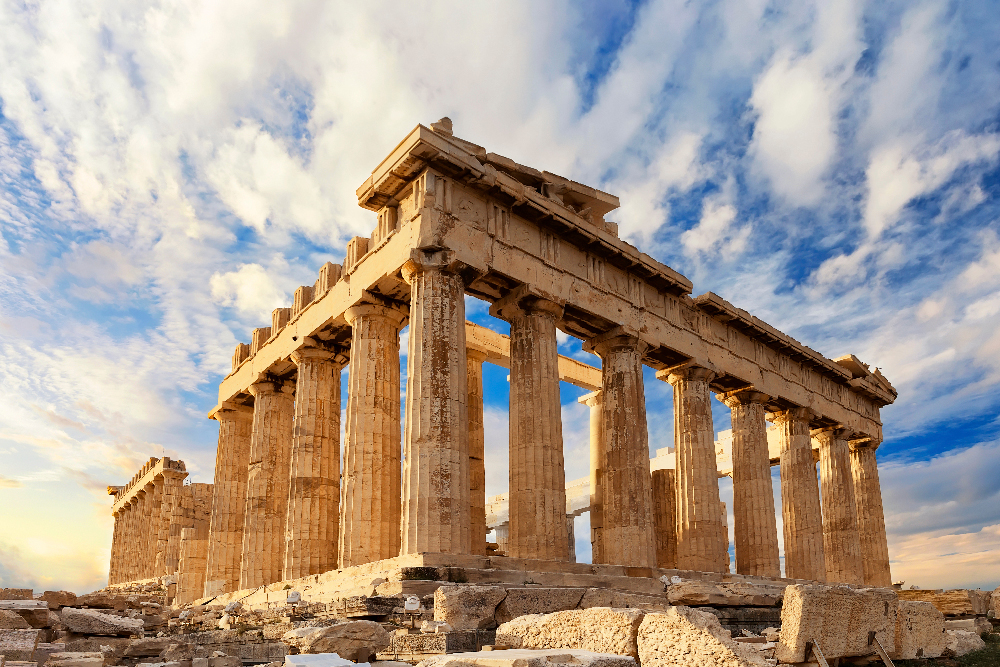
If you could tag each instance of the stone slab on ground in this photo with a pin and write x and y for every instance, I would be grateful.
(734, 594)
(838, 618)
(605, 597)
(751, 619)
(68, 659)
(354, 640)
(524, 601)
(959, 602)
(58, 599)
(531, 658)
(468, 607)
(684, 636)
(919, 631)
(44, 650)
(418, 646)
(319, 660)
(17, 594)
(19, 645)
(598, 629)
(93, 622)
(11, 620)
(960, 642)
(35, 612)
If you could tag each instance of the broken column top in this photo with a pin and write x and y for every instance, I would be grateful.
(152, 469)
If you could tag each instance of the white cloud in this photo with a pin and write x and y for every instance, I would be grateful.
(715, 231)
(250, 288)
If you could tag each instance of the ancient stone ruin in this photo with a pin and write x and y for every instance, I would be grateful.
(288, 540)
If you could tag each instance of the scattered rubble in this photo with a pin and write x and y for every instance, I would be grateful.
(683, 636)
(919, 631)
(960, 642)
(599, 629)
(530, 658)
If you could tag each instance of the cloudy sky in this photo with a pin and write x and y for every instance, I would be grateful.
(171, 171)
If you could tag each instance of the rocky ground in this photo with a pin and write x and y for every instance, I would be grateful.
(459, 625)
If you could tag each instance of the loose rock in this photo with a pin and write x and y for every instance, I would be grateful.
(11, 620)
(919, 631)
(76, 660)
(524, 601)
(353, 640)
(530, 658)
(468, 607)
(683, 636)
(960, 642)
(599, 629)
(92, 622)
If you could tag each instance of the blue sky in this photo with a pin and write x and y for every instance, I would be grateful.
(170, 172)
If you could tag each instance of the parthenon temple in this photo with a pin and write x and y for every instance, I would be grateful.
(291, 500)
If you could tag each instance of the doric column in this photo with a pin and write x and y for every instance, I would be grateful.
(141, 531)
(436, 471)
(372, 482)
(665, 517)
(229, 501)
(699, 527)
(267, 484)
(571, 536)
(313, 520)
(755, 524)
(841, 542)
(128, 541)
(594, 402)
(182, 517)
(627, 501)
(800, 508)
(503, 537)
(537, 471)
(173, 480)
(871, 519)
(193, 547)
(477, 452)
(116, 547)
(151, 532)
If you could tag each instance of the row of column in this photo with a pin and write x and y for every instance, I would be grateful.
(278, 501)
(841, 539)
(147, 530)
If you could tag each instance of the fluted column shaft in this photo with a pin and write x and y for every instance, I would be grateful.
(871, 517)
(152, 531)
(116, 547)
(800, 507)
(595, 403)
(841, 541)
(436, 471)
(182, 517)
(141, 528)
(700, 542)
(172, 482)
(128, 541)
(372, 479)
(665, 517)
(229, 501)
(477, 453)
(626, 486)
(267, 485)
(755, 524)
(313, 521)
(537, 471)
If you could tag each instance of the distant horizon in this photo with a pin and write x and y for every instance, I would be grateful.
(169, 176)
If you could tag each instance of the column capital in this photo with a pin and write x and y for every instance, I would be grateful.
(742, 397)
(837, 432)
(526, 299)
(395, 313)
(234, 407)
(688, 371)
(173, 474)
(791, 414)
(615, 339)
(309, 352)
(430, 259)
(263, 387)
(593, 399)
(864, 442)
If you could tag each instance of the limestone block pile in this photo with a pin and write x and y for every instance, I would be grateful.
(527, 658)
